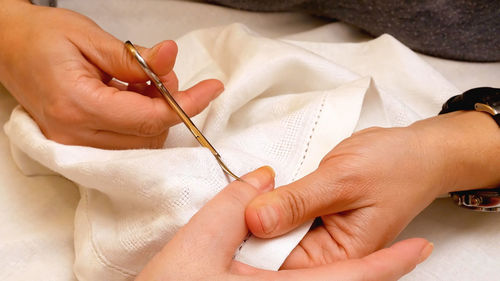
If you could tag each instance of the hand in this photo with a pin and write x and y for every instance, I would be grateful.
(59, 65)
(203, 249)
(369, 187)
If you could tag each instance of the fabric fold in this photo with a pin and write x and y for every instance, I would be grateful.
(285, 104)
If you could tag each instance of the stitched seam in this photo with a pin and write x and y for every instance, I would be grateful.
(243, 243)
(100, 257)
(323, 101)
(318, 115)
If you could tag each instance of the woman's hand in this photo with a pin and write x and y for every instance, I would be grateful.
(204, 248)
(369, 187)
(59, 65)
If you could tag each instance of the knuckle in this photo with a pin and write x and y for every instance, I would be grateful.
(150, 126)
(347, 180)
(296, 205)
(124, 59)
(153, 119)
(240, 194)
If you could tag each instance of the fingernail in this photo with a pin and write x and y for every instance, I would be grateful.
(270, 170)
(268, 218)
(426, 252)
(262, 178)
(219, 90)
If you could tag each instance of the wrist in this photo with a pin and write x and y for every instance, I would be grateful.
(464, 147)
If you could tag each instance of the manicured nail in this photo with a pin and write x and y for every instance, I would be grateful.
(219, 90)
(426, 252)
(262, 178)
(268, 218)
(270, 170)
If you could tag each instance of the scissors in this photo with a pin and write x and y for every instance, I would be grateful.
(178, 110)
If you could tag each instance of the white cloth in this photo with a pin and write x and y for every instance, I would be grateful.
(286, 104)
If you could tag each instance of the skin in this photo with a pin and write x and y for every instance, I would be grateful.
(371, 185)
(62, 76)
(190, 254)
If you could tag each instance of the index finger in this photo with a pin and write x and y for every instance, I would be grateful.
(131, 113)
(388, 264)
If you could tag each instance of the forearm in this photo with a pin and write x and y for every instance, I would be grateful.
(465, 148)
(7, 3)
(10, 15)
(18, 21)
(11, 21)
(6, 9)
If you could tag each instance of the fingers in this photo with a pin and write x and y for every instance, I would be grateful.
(277, 212)
(149, 115)
(318, 247)
(110, 140)
(93, 106)
(104, 139)
(195, 99)
(385, 265)
(170, 81)
(110, 55)
(216, 231)
(346, 235)
(394, 262)
(139, 110)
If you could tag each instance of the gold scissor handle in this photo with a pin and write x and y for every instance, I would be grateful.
(176, 107)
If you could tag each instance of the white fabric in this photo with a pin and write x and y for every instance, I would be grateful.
(285, 105)
(36, 237)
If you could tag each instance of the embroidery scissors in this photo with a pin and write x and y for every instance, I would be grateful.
(176, 107)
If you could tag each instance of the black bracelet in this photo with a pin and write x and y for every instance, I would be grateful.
(480, 99)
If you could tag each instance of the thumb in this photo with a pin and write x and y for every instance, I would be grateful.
(285, 208)
(219, 227)
(110, 55)
(212, 235)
